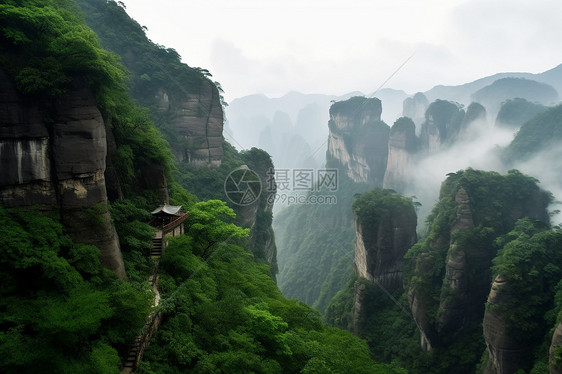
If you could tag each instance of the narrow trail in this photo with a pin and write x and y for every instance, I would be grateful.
(136, 350)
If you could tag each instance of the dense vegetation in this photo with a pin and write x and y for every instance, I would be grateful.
(515, 112)
(538, 134)
(530, 262)
(224, 314)
(60, 311)
(154, 68)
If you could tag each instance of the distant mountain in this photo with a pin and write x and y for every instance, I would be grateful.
(503, 89)
(462, 93)
(301, 139)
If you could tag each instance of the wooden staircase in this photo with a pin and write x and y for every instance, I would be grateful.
(156, 247)
(136, 349)
(132, 355)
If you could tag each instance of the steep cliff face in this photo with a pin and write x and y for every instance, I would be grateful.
(57, 158)
(258, 216)
(451, 276)
(415, 107)
(185, 104)
(442, 124)
(381, 259)
(385, 229)
(505, 351)
(358, 139)
(456, 284)
(402, 144)
(525, 300)
(198, 120)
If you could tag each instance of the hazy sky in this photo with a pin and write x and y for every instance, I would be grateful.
(339, 46)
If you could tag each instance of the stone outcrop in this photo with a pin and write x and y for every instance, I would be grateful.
(258, 215)
(380, 258)
(505, 352)
(401, 148)
(358, 139)
(199, 121)
(383, 236)
(57, 159)
(358, 308)
(453, 309)
(465, 247)
(441, 126)
(474, 112)
(415, 107)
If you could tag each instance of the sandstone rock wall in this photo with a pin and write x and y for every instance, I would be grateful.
(504, 350)
(415, 107)
(56, 159)
(380, 250)
(199, 121)
(358, 139)
(401, 150)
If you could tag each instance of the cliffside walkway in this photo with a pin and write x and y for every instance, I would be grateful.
(171, 227)
(140, 343)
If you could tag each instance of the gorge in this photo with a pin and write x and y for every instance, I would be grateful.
(439, 251)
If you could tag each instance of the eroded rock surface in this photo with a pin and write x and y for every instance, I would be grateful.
(57, 159)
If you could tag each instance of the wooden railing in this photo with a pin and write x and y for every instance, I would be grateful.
(172, 225)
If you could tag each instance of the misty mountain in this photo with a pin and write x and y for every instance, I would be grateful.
(462, 93)
(493, 95)
(300, 140)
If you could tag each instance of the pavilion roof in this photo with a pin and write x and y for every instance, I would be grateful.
(167, 209)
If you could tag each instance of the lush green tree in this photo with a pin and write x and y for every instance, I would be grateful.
(224, 314)
(60, 311)
(208, 226)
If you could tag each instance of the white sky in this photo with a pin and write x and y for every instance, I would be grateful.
(339, 46)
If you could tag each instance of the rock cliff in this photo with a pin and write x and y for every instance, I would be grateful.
(385, 225)
(198, 120)
(185, 104)
(402, 145)
(456, 284)
(451, 277)
(358, 139)
(505, 352)
(258, 216)
(415, 107)
(56, 158)
(441, 126)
